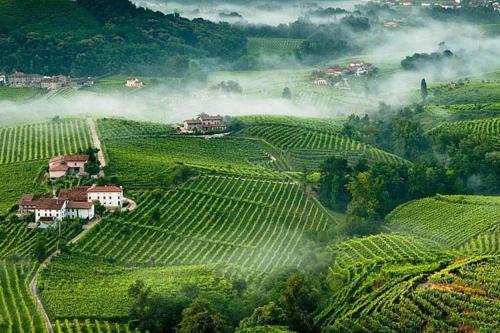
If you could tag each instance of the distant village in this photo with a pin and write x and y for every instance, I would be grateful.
(447, 4)
(22, 80)
(337, 76)
(79, 202)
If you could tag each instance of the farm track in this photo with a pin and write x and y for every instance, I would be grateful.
(97, 141)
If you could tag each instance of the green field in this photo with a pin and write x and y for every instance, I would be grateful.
(19, 94)
(310, 144)
(18, 179)
(251, 223)
(81, 287)
(273, 46)
(43, 141)
(449, 220)
(18, 311)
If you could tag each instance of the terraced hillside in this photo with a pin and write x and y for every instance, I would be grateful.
(121, 129)
(449, 220)
(273, 46)
(439, 297)
(91, 326)
(487, 127)
(309, 145)
(252, 223)
(18, 312)
(43, 141)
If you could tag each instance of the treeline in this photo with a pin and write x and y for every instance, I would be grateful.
(284, 301)
(422, 60)
(320, 41)
(116, 37)
(450, 161)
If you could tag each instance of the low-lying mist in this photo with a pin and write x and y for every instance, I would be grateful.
(255, 12)
(476, 52)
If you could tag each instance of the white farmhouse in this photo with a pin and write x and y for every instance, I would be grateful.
(48, 211)
(108, 196)
(80, 209)
(133, 82)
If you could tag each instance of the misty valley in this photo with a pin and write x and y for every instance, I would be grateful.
(206, 166)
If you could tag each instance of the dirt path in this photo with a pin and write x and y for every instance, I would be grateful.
(33, 291)
(97, 142)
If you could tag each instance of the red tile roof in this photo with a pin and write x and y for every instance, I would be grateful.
(48, 204)
(74, 194)
(218, 117)
(79, 205)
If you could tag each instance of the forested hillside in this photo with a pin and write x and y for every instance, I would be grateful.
(94, 37)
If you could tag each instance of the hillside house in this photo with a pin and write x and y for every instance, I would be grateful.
(133, 82)
(55, 82)
(335, 70)
(48, 211)
(110, 197)
(359, 68)
(3, 79)
(60, 166)
(204, 124)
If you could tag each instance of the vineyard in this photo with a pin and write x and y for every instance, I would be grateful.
(122, 129)
(43, 141)
(448, 220)
(251, 223)
(18, 179)
(309, 147)
(82, 287)
(398, 298)
(18, 312)
(90, 326)
(145, 162)
(490, 127)
(273, 45)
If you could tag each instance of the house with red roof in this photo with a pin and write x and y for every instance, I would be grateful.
(204, 124)
(60, 166)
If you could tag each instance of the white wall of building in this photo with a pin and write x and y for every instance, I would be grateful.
(107, 199)
(83, 213)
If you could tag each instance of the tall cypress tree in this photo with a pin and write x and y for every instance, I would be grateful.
(423, 89)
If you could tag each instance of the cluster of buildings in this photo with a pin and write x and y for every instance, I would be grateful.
(61, 166)
(22, 80)
(203, 124)
(76, 202)
(336, 75)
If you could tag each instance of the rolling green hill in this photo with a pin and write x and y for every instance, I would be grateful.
(309, 142)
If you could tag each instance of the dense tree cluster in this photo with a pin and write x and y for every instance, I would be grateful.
(422, 60)
(118, 38)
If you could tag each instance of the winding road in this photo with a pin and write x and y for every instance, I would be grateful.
(97, 141)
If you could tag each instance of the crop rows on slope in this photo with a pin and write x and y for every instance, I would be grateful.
(487, 243)
(18, 312)
(17, 239)
(484, 126)
(316, 124)
(145, 162)
(375, 294)
(122, 129)
(449, 220)
(384, 248)
(310, 147)
(327, 98)
(251, 223)
(18, 179)
(78, 286)
(43, 140)
(90, 326)
(273, 45)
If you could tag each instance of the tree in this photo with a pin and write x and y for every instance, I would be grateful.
(363, 210)
(423, 89)
(287, 93)
(40, 251)
(200, 317)
(269, 314)
(99, 208)
(300, 299)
